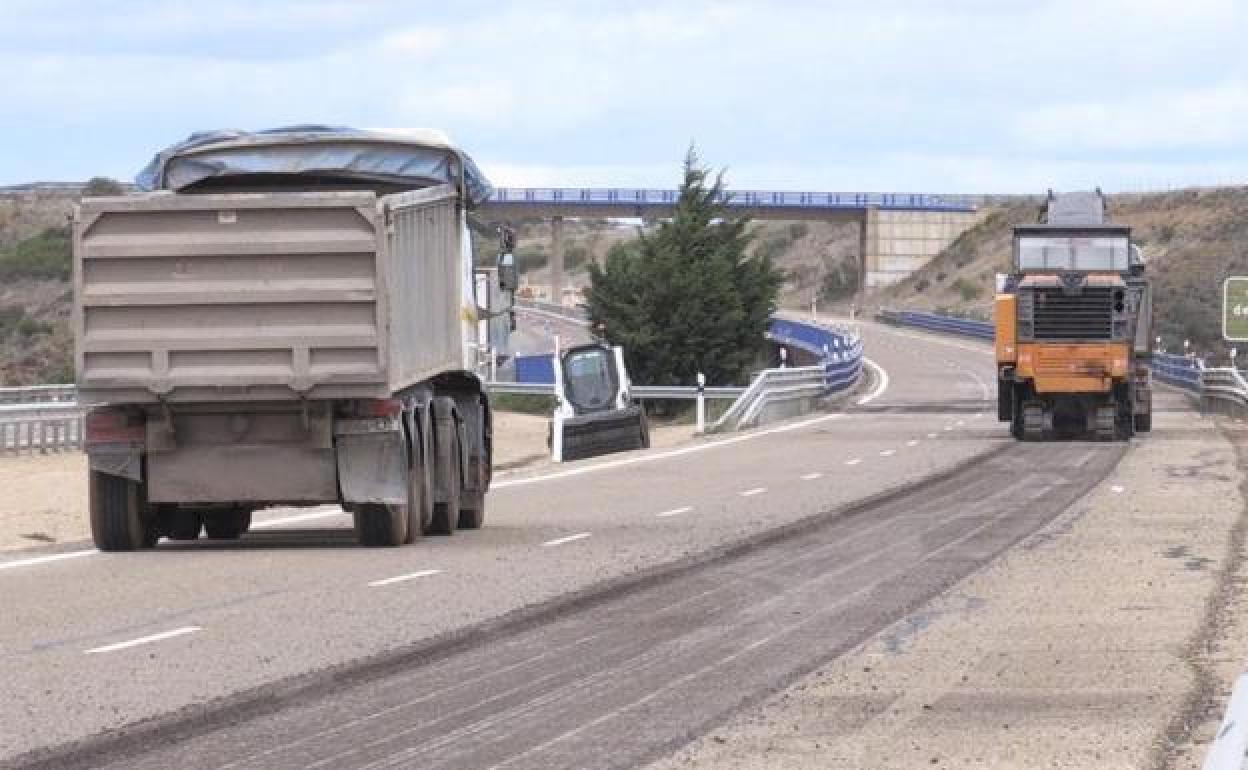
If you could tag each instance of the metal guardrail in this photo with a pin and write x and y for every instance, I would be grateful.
(37, 394)
(839, 350)
(41, 427)
(939, 323)
(637, 392)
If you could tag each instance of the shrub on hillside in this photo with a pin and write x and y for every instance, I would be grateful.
(44, 256)
(99, 186)
(968, 289)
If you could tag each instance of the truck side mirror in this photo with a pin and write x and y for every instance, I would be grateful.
(507, 278)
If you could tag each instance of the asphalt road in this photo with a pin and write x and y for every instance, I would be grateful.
(535, 627)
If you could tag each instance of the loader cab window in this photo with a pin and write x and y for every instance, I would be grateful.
(590, 378)
(1072, 252)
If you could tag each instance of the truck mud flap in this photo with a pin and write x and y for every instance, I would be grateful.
(604, 433)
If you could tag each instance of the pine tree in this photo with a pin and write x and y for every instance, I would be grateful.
(689, 297)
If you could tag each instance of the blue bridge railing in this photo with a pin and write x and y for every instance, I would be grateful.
(840, 352)
(590, 196)
(939, 323)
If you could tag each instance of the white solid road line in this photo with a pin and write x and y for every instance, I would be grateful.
(568, 539)
(854, 461)
(887, 452)
(34, 560)
(401, 578)
(645, 458)
(811, 476)
(145, 640)
(754, 491)
(674, 512)
(880, 386)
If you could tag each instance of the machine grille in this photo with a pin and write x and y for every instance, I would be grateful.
(1086, 315)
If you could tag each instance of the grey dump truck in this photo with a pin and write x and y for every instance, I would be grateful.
(286, 318)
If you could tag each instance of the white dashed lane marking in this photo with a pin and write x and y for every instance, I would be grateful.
(568, 539)
(754, 491)
(811, 476)
(912, 442)
(403, 578)
(145, 640)
(887, 452)
(854, 461)
(674, 512)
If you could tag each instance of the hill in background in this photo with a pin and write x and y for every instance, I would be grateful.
(1192, 239)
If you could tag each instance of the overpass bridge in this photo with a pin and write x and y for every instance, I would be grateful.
(900, 232)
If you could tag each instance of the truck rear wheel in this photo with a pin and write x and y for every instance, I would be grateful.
(227, 525)
(472, 501)
(446, 515)
(118, 513)
(420, 486)
(1143, 423)
(378, 525)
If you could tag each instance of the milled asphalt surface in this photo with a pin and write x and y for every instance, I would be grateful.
(1084, 647)
(288, 609)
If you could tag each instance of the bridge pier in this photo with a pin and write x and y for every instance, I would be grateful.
(895, 243)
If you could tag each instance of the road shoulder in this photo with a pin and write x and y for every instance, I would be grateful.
(1069, 651)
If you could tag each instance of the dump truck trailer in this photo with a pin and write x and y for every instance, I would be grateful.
(285, 347)
(1073, 327)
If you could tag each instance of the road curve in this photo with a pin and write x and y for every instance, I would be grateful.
(192, 637)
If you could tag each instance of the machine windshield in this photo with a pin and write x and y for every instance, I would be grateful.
(590, 379)
(1065, 252)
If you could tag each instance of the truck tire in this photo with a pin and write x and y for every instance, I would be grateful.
(446, 515)
(1143, 422)
(472, 501)
(420, 486)
(118, 513)
(378, 525)
(227, 525)
(182, 523)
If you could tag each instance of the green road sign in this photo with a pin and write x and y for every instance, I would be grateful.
(1235, 309)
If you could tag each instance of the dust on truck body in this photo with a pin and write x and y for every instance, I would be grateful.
(308, 343)
(1073, 327)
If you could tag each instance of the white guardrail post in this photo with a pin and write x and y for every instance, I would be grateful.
(701, 405)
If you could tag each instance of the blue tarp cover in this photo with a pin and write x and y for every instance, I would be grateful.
(407, 159)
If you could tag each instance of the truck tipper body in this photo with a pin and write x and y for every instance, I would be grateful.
(300, 344)
(1073, 327)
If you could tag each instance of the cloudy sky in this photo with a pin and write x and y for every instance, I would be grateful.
(952, 96)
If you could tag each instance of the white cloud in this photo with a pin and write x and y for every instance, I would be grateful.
(1201, 117)
(912, 96)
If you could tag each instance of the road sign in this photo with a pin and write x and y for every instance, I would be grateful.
(1235, 309)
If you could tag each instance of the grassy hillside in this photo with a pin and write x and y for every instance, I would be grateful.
(1192, 239)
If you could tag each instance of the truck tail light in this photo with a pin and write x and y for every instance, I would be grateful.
(382, 407)
(113, 426)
